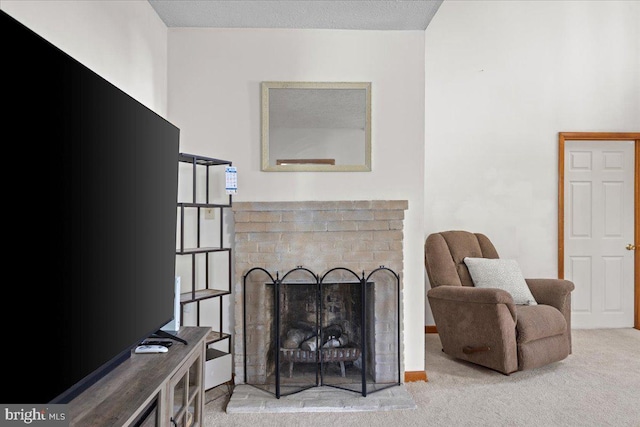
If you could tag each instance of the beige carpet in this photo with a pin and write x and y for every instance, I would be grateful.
(598, 385)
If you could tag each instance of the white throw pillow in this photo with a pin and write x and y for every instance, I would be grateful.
(502, 274)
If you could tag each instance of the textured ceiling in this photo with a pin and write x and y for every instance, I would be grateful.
(401, 15)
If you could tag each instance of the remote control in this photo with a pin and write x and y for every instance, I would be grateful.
(151, 349)
(157, 342)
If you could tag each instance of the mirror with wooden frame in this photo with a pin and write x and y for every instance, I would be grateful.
(316, 126)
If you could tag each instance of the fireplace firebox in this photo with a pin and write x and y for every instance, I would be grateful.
(337, 329)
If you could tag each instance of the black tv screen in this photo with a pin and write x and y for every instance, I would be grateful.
(91, 177)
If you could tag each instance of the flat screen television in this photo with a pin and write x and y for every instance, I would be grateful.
(91, 180)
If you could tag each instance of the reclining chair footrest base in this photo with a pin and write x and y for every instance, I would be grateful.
(471, 350)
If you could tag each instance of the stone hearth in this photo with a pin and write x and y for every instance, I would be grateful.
(318, 235)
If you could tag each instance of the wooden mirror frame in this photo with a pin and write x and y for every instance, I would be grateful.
(316, 164)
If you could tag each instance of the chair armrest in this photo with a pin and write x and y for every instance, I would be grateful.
(551, 292)
(556, 293)
(470, 295)
(477, 325)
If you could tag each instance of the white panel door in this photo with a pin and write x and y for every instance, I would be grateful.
(598, 225)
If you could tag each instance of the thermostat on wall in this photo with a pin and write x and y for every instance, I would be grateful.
(232, 180)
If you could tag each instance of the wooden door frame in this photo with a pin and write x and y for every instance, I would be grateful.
(602, 136)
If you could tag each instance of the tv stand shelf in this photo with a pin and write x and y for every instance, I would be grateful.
(148, 389)
(206, 259)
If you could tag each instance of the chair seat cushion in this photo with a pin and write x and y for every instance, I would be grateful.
(538, 321)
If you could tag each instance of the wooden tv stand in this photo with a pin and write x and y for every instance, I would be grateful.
(164, 389)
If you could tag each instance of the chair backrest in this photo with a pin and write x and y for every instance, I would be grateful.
(444, 255)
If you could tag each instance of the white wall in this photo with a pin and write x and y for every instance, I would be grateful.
(502, 79)
(214, 98)
(125, 42)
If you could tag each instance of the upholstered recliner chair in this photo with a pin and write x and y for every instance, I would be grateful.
(476, 315)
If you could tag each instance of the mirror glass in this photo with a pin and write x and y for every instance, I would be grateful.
(320, 126)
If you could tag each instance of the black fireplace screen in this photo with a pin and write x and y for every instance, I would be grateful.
(338, 329)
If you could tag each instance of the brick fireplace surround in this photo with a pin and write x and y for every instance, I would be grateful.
(319, 235)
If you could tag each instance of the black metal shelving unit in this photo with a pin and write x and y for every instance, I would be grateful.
(204, 289)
